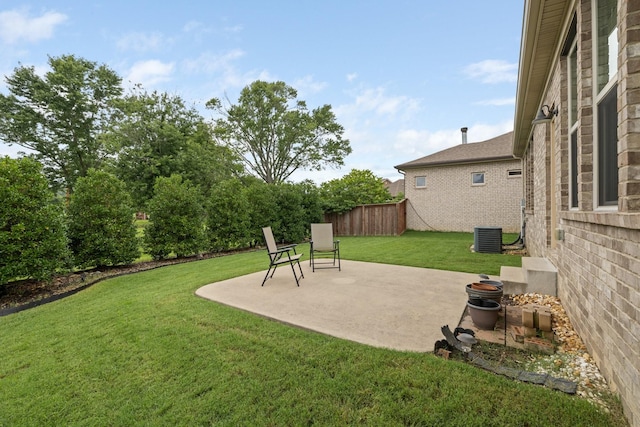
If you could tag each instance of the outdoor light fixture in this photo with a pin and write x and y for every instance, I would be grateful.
(543, 117)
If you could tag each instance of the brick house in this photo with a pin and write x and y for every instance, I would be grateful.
(579, 73)
(395, 187)
(465, 186)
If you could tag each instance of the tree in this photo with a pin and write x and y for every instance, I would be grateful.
(177, 219)
(157, 135)
(33, 242)
(358, 187)
(275, 134)
(60, 116)
(206, 162)
(101, 222)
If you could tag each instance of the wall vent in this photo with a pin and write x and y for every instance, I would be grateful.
(487, 240)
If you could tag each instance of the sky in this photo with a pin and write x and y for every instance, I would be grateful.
(402, 77)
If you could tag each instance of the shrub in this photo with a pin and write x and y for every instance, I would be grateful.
(290, 213)
(311, 204)
(228, 216)
(176, 219)
(263, 211)
(33, 242)
(101, 222)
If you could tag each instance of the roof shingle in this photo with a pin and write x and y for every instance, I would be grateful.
(498, 148)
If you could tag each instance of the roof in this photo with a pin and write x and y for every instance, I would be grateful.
(543, 25)
(498, 148)
(394, 187)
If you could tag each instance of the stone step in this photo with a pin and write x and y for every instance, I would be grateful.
(540, 275)
(537, 275)
(513, 281)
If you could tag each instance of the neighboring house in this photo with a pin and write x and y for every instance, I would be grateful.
(465, 186)
(582, 171)
(395, 187)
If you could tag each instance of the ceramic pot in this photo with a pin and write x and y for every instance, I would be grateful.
(484, 312)
(496, 283)
(493, 293)
(483, 287)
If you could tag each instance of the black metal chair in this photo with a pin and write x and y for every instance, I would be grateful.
(323, 243)
(279, 256)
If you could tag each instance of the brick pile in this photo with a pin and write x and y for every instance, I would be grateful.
(565, 336)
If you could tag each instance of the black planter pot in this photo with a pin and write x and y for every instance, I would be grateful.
(484, 312)
(495, 295)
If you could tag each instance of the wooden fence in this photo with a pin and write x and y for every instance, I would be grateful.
(386, 219)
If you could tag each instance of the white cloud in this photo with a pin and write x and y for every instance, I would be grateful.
(14, 151)
(416, 143)
(352, 76)
(377, 101)
(150, 72)
(209, 63)
(307, 86)
(16, 25)
(199, 28)
(221, 73)
(493, 71)
(194, 26)
(142, 42)
(483, 131)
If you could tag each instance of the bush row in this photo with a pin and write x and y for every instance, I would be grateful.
(41, 234)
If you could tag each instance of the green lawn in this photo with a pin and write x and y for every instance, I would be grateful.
(144, 350)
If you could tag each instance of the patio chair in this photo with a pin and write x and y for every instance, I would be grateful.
(282, 255)
(323, 243)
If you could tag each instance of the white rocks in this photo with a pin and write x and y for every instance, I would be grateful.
(572, 361)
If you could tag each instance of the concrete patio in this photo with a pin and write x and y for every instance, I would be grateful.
(390, 306)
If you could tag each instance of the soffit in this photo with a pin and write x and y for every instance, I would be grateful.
(543, 28)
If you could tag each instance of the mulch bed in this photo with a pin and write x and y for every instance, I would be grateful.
(23, 294)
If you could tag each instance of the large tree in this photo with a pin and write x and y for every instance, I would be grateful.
(59, 116)
(157, 135)
(276, 134)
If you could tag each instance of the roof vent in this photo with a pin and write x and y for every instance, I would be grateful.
(464, 134)
(487, 240)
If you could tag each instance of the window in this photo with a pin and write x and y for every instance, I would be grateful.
(421, 181)
(607, 149)
(477, 178)
(514, 173)
(606, 98)
(573, 124)
(607, 41)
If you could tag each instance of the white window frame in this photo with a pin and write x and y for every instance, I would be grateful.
(424, 183)
(473, 180)
(572, 98)
(599, 94)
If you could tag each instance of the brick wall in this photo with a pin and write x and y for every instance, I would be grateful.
(450, 202)
(598, 261)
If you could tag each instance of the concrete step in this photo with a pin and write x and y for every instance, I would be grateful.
(540, 275)
(513, 281)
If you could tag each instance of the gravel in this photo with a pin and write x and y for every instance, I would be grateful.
(571, 361)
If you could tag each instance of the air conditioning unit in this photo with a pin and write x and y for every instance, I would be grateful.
(487, 240)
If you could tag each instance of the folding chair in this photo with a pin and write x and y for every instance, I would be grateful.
(322, 243)
(282, 255)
